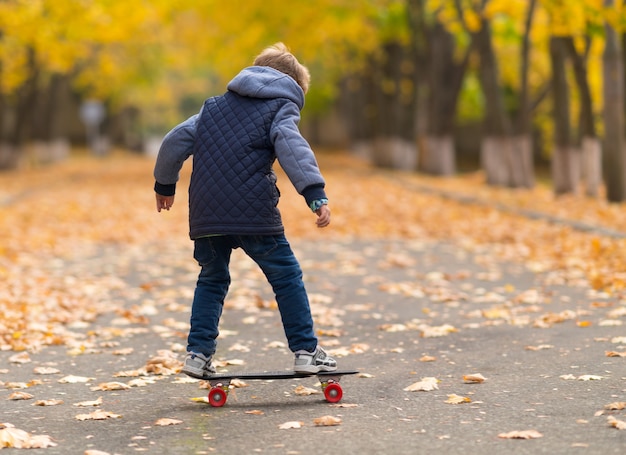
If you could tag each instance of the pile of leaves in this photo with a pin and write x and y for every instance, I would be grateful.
(54, 215)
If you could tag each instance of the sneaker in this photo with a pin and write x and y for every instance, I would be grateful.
(313, 362)
(198, 365)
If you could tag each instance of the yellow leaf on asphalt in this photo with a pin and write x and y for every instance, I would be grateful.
(290, 425)
(457, 399)
(108, 386)
(615, 423)
(98, 415)
(425, 385)
(616, 406)
(305, 391)
(45, 370)
(615, 353)
(327, 421)
(15, 396)
(165, 422)
(22, 357)
(51, 402)
(20, 439)
(86, 404)
(475, 378)
(525, 434)
(71, 379)
(16, 385)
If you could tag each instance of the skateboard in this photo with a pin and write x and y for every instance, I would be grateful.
(329, 380)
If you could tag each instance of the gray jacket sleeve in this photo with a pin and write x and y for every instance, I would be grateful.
(295, 154)
(176, 147)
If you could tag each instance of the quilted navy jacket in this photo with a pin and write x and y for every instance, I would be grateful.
(235, 140)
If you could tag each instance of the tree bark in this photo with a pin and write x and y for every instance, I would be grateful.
(522, 170)
(613, 92)
(394, 144)
(565, 160)
(591, 168)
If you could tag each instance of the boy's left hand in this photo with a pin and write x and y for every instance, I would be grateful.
(163, 202)
(323, 216)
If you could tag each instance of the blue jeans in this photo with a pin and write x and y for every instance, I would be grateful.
(281, 268)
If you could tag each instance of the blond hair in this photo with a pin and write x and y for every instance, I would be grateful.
(278, 57)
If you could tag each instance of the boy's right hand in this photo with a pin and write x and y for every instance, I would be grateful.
(163, 202)
(323, 216)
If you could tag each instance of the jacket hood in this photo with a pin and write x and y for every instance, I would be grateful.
(266, 82)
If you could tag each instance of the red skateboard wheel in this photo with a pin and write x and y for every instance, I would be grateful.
(333, 393)
(217, 397)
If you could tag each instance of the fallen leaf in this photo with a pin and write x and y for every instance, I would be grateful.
(617, 406)
(615, 353)
(290, 425)
(86, 404)
(589, 377)
(22, 357)
(45, 370)
(305, 391)
(428, 358)
(525, 434)
(619, 424)
(457, 399)
(20, 439)
(256, 412)
(425, 385)
(15, 396)
(475, 378)
(165, 422)
(439, 331)
(98, 415)
(51, 402)
(71, 379)
(327, 421)
(108, 386)
(539, 348)
(16, 385)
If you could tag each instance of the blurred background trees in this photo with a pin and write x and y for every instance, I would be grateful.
(508, 86)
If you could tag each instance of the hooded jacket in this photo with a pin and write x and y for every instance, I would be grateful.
(235, 140)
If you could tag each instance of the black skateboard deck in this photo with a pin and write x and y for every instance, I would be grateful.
(329, 381)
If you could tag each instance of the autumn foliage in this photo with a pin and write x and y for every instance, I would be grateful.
(68, 214)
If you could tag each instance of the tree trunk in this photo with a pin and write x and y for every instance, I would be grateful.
(442, 75)
(395, 144)
(438, 155)
(613, 114)
(522, 174)
(522, 170)
(591, 171)
(565, 162)
(591, 167)
(495, 156)
(496, 145)
(357, 105)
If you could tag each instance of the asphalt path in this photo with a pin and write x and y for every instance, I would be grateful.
(398, 311)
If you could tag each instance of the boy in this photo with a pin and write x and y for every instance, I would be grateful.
(233, 199)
